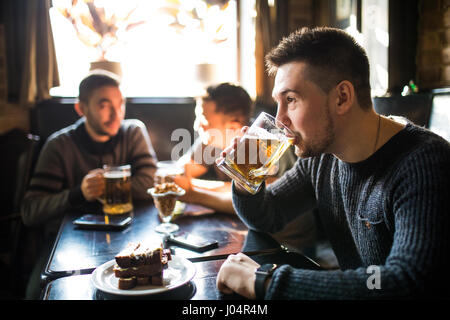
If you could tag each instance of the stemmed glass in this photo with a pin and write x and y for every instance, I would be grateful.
(165, 197)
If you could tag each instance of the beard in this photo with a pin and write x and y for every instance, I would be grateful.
(98, 129)
(101, 129)
(306, 149)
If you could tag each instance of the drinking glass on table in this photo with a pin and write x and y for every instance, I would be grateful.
(257, 152)
(165, 197)
(117, 196)
(167, 170)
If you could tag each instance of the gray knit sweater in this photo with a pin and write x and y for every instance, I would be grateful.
(68, 155)
(390, 210)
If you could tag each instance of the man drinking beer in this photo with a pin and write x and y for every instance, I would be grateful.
(380, 183)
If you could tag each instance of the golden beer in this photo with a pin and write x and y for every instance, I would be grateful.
(167, 170)
(254, 159)
(257, 151)
(117, 197)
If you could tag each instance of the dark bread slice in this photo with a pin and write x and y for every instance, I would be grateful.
(132, 282)
(142, 281)
(138, 255)
(127, 283)
(139, 264)
(157, 279)
(141, 271)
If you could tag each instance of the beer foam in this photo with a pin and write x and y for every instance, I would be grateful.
(261, 133)
(116, 174)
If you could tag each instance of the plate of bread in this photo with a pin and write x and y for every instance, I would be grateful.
(143, 269)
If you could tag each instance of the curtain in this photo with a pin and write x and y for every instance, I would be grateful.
(3, 63)
(265, 40)
(30, 52)
(271, 26)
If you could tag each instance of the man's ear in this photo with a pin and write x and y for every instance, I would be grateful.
(79, 108)
(345, 97)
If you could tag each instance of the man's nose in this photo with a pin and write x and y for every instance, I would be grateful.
(113, 113)
(282, 117)
(116, 112)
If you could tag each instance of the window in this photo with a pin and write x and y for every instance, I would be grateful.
(166, 48)
(371, 32)
(375, 28)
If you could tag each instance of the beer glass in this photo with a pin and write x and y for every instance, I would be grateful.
(257, 152)
(165, 197)
(166, 170)
(117, 195)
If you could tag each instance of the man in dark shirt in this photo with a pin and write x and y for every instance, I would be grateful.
(68, 174)
(380, 184)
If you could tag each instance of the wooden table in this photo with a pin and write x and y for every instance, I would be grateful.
(80, 287)
(81, 251)
(77, 252)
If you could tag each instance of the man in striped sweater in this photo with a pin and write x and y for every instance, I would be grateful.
(68, 174)
(381, 186)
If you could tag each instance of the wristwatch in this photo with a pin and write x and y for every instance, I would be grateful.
(264, 271)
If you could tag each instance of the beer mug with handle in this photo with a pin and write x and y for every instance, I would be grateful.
(257, 152)
(117, 195)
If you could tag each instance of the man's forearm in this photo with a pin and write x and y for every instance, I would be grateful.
(219, 201)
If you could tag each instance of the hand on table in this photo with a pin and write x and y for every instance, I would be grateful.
(185, 183)
(93, 185)
(237, 274)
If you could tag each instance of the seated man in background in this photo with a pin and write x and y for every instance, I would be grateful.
(220, 116)
(68, 174)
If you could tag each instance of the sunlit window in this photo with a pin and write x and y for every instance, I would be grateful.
(373, 35)
(375, 28)
(165, 48)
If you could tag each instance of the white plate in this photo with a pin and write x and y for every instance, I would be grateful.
(179, 272)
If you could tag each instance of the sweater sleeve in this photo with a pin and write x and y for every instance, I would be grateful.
(46, 197)
(273, 207)
(142, 159)
(417, 263)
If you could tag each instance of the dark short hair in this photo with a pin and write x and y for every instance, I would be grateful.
(231, 100)
(331, 55)
(95, 81)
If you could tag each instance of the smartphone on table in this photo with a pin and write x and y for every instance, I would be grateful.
(192, 242)
(100, 222)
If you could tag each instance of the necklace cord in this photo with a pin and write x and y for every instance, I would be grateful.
(378, 134)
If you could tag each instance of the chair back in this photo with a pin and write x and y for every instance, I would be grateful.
(415, 108)
(25, 168)
(19, 151)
